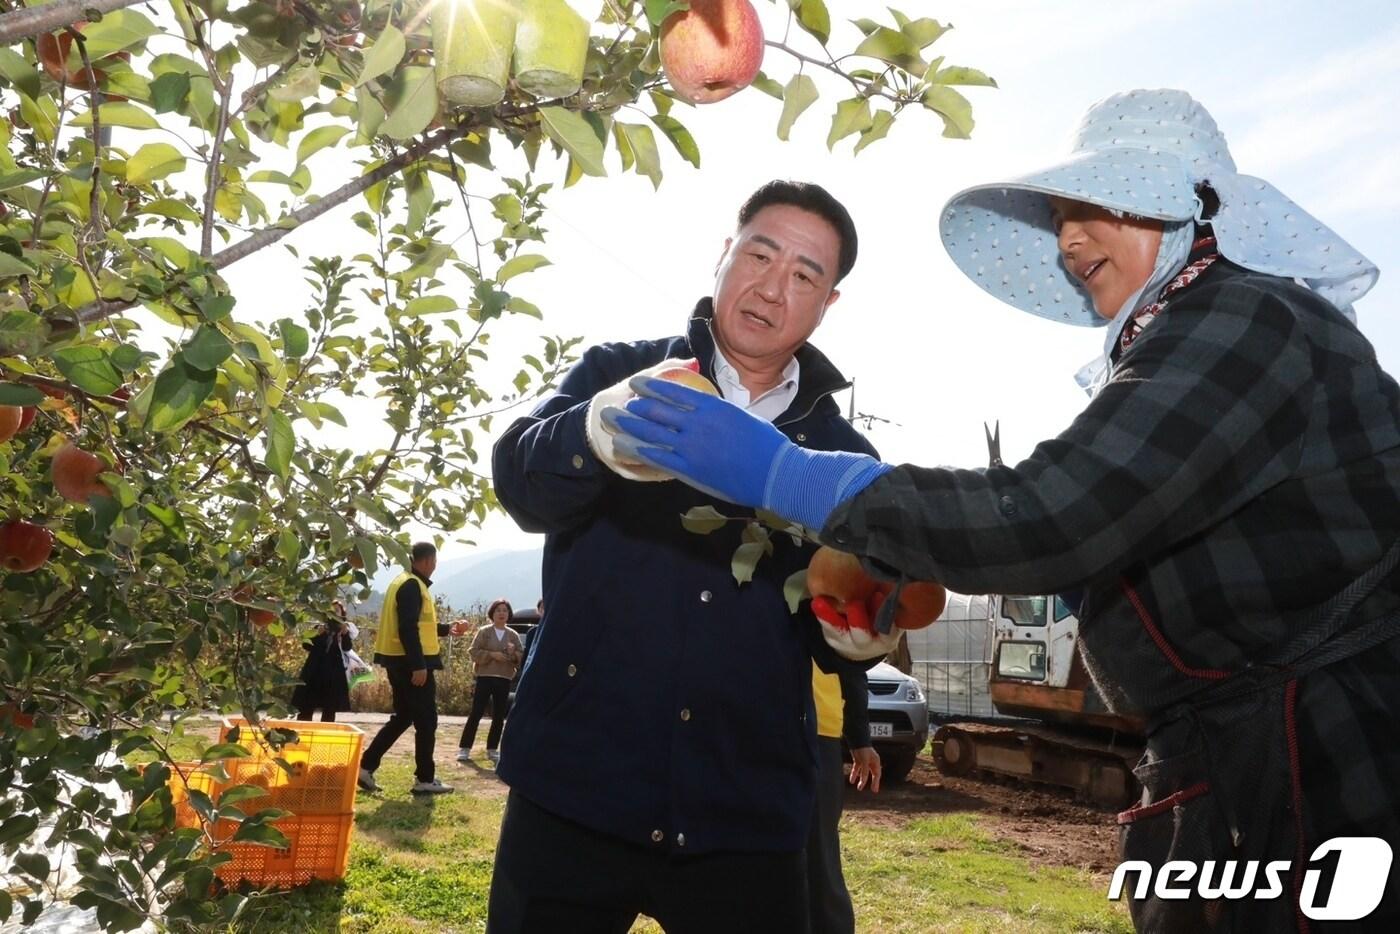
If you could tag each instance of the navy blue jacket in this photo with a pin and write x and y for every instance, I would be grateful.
(661, 702)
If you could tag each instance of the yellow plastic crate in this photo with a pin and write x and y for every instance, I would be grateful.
(318, 847)
(325, 762)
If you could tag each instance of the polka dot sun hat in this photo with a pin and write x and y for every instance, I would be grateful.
(1142, 152)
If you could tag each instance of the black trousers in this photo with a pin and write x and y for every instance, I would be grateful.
(327, 714)
(827, 898)
(413, 707)
(496, 691)
(553, 875)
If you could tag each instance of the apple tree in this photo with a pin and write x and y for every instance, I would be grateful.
(181, 492)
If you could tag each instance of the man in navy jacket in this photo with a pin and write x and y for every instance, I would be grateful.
(661, 752)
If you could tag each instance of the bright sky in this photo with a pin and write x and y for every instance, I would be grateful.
(1306, 94)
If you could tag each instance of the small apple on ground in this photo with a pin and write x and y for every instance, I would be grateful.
(24, 547)
(712, 50)
(75, 474)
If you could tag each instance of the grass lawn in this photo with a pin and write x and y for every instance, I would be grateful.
(425, 865)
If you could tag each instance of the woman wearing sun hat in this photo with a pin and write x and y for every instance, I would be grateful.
(1228, 503)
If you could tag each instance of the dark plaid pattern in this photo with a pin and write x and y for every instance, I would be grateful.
(1241, 466)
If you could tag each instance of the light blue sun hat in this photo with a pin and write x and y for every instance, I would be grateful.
(1141, 152)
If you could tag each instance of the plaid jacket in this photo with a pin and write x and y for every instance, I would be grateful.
(1241, 466)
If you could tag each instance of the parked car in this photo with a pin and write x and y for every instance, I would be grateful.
(898, 719)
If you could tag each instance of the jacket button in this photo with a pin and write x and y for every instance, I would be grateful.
(577, 461)
(680, 839)
(685, 713)
(842, 535)
(706, 596)
(801, 437)
(1008, 506)
(573, 670)
(657, 836)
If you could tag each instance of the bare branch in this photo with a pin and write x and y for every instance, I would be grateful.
(212, 182)
(34, 20)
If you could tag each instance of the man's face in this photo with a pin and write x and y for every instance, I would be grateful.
(426, 566)
(775, 279)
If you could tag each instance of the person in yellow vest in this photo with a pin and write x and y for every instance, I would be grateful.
(407, 647)
(841, 703)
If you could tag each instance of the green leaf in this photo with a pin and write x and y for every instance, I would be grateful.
(702, 520)
(127, 357)
(281, 441)
(745, 561)
(319, 139)
(219, 751)
(170, 91)
(893, 47)
(579, 138)
(795, 589)
(955, 110)
(659, 10)
(295, 341)
(923, 32)
(813, 17)
(24, 77)
(876, 131)
(153, 161)
(19, 394)
(116, 31)
(768, 86)
(384, 56)
(89, 369)
(301, 83)
(680, 137)
(800, 93)
(215, 307)
(261, 835)
(13, 266)
(120, 113)
(430, 305)
(33, 864)
(852, 116)
(956, 74)
(412, 102)
(643, 144)
(207, 348)
(241, 793)
(288, 546)
(20, 177)
(177, 394)
(518, 265)
(170, 207)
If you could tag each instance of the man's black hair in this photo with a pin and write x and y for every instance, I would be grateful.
(423, 550)
(813, 198)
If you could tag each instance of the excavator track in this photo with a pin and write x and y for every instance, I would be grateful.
(1097, 772)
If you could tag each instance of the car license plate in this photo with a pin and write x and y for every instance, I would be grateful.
(881, 729)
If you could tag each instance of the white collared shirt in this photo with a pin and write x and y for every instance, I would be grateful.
(768, 406)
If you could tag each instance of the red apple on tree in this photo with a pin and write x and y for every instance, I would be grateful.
(24, 547)
(712, 50)
(11, 421)
(75, 474)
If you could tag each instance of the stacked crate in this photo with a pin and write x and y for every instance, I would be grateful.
(317, 787)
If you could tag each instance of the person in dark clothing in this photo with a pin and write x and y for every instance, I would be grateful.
(1227, 504)
(661, 753)
(324, 685)
(407, 646)
(842, 702)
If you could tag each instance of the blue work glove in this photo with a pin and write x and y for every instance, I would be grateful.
(720, 449)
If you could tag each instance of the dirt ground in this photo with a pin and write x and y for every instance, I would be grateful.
(1048, 825)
